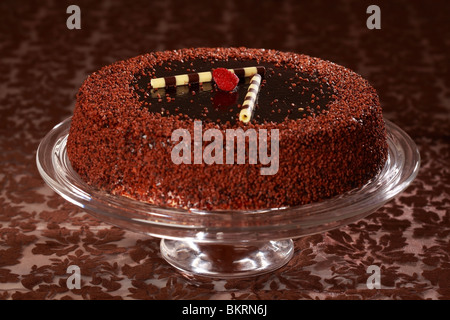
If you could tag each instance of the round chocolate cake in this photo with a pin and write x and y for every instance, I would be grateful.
(169, 128)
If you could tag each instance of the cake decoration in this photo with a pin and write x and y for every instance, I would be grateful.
(225, 79)
(201, 77)
(250, 99)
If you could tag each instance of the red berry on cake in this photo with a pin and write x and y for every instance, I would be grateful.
(225, 79)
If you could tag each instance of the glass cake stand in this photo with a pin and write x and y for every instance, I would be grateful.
(228, 244)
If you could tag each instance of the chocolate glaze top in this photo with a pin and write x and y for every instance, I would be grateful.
(284, 93)
(126, 88)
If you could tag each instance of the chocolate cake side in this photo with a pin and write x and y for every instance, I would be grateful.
(120, 136)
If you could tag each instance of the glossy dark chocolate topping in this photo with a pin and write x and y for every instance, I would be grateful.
(283, 94)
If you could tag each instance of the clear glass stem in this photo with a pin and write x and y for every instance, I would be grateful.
(227, 260)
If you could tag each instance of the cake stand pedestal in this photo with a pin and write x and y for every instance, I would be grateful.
(229, 244)
(227, 260)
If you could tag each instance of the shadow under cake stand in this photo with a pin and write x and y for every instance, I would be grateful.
(229, 244)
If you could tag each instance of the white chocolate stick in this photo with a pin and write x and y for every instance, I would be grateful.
(250, 99)
(200, 77)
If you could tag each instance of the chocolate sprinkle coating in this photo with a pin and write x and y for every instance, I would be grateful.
(117, 143)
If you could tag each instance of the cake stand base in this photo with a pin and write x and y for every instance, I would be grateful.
(226, 260)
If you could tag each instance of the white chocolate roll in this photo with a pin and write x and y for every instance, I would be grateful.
(250, 99)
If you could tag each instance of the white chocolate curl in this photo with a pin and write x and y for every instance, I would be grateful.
(200, 77)
(250, 99)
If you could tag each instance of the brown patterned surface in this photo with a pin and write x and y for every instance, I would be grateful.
(42, 64)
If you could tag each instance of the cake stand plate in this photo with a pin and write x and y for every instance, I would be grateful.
(229, 244)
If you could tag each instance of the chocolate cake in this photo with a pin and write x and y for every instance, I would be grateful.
(321, 123)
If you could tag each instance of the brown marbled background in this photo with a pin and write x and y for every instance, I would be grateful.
(42, 64)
